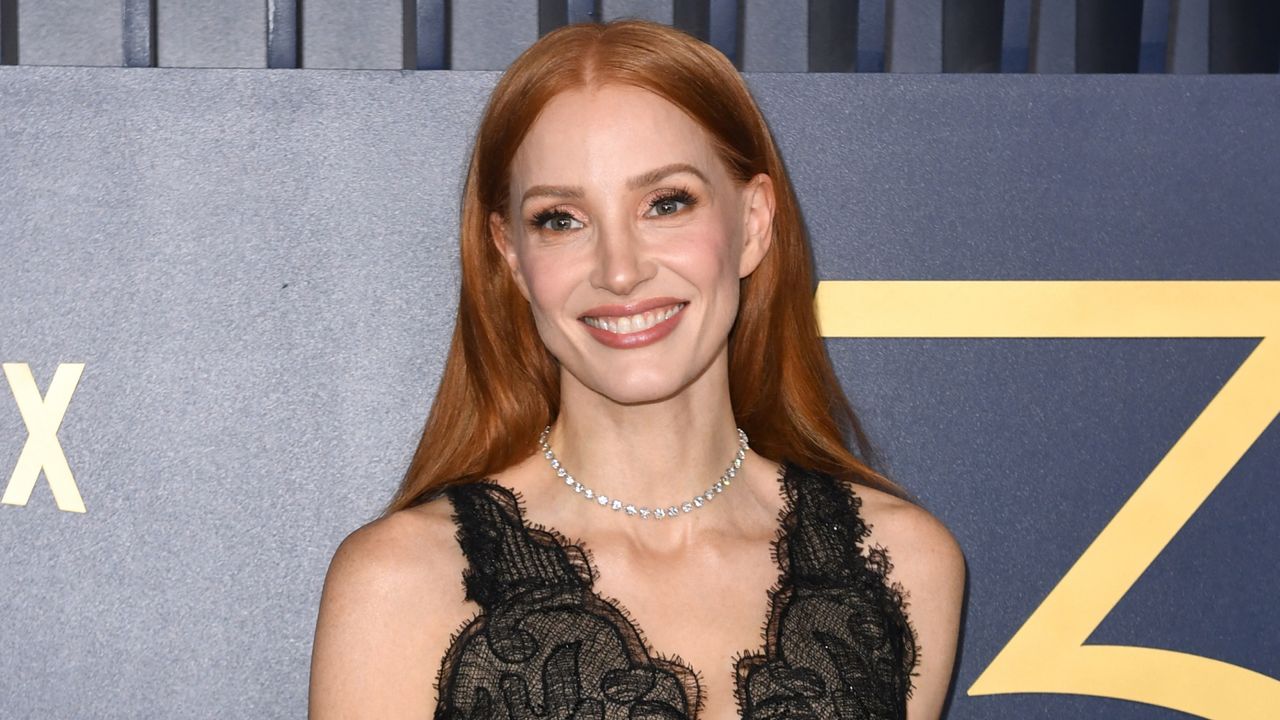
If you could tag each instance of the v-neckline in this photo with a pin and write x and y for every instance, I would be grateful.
(564, 543)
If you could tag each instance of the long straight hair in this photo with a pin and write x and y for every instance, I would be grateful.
(501, 386)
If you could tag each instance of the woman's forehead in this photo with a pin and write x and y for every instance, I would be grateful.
(612, 130)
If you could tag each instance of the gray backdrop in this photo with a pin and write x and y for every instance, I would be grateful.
(257, 270)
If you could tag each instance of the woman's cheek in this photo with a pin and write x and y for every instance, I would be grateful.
(710, 249)
(540, 276)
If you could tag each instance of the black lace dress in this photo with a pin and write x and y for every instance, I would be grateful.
(837, 642)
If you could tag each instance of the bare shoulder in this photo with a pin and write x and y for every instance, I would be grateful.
(392, 599)
(928, 564)
(915, 539)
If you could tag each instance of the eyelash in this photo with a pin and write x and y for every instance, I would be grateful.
(679, 194)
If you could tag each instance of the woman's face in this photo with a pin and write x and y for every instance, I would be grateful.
(628, 237)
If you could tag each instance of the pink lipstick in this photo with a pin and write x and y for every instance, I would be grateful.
(611, 324)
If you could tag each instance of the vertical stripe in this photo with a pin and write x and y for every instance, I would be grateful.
(913, 36)
(223, 34)
(724, 28)
(871, 15)
(833, 35)
(8, 32)
(1053, 36)
(284, 41)
(659, 11)
(972, 35)
(365, 35)
(489, 34)
(431, 34)
(1244, 36)
(775, 38)
(1108, 35)
(139, 33)
(1188, 51)
(1015, 55)
(1155, 36)
(582, 11)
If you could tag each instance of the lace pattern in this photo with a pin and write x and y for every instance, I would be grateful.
(837, 642)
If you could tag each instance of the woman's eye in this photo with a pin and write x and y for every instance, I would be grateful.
(666, 207)
(670, 204)
(555, 222)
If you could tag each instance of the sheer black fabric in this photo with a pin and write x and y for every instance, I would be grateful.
(837, 642)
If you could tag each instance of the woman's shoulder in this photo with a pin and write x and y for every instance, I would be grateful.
(907, 529)
(927, 564)
(392, 599)
(904, 529)
(409, 546)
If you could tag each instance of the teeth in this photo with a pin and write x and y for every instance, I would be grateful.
(634, 323)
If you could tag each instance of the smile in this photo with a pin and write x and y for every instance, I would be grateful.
(628, 332)
(634, 323)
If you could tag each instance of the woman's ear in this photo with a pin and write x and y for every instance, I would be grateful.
(757, 235)
(498, 231)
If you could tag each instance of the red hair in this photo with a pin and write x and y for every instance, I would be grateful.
(501, 386)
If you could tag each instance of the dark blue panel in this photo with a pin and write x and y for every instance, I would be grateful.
(1082, 176)
(1026, 449)
(1212, 591)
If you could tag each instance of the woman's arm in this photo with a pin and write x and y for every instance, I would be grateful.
(391, 599)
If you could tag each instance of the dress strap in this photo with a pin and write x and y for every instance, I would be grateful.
(505, 557)
(825, 530)
(842, 623)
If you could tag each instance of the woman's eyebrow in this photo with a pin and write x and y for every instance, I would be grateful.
(635, 183)
(657, 174)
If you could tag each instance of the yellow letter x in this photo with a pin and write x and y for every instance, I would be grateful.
(43, 451)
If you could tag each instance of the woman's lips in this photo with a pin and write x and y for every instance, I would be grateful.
(640, 338)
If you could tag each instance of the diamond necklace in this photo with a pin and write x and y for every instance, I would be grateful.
(639, 511)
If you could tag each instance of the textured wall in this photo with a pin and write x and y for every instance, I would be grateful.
(257, 271)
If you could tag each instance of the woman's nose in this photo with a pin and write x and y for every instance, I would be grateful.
(621, 261)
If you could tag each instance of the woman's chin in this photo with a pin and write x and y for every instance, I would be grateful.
(642, 383)
(639, 395)
(638, 391)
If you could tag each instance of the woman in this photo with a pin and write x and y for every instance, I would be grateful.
(636, 366)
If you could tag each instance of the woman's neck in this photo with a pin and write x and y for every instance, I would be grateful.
(652, 454)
